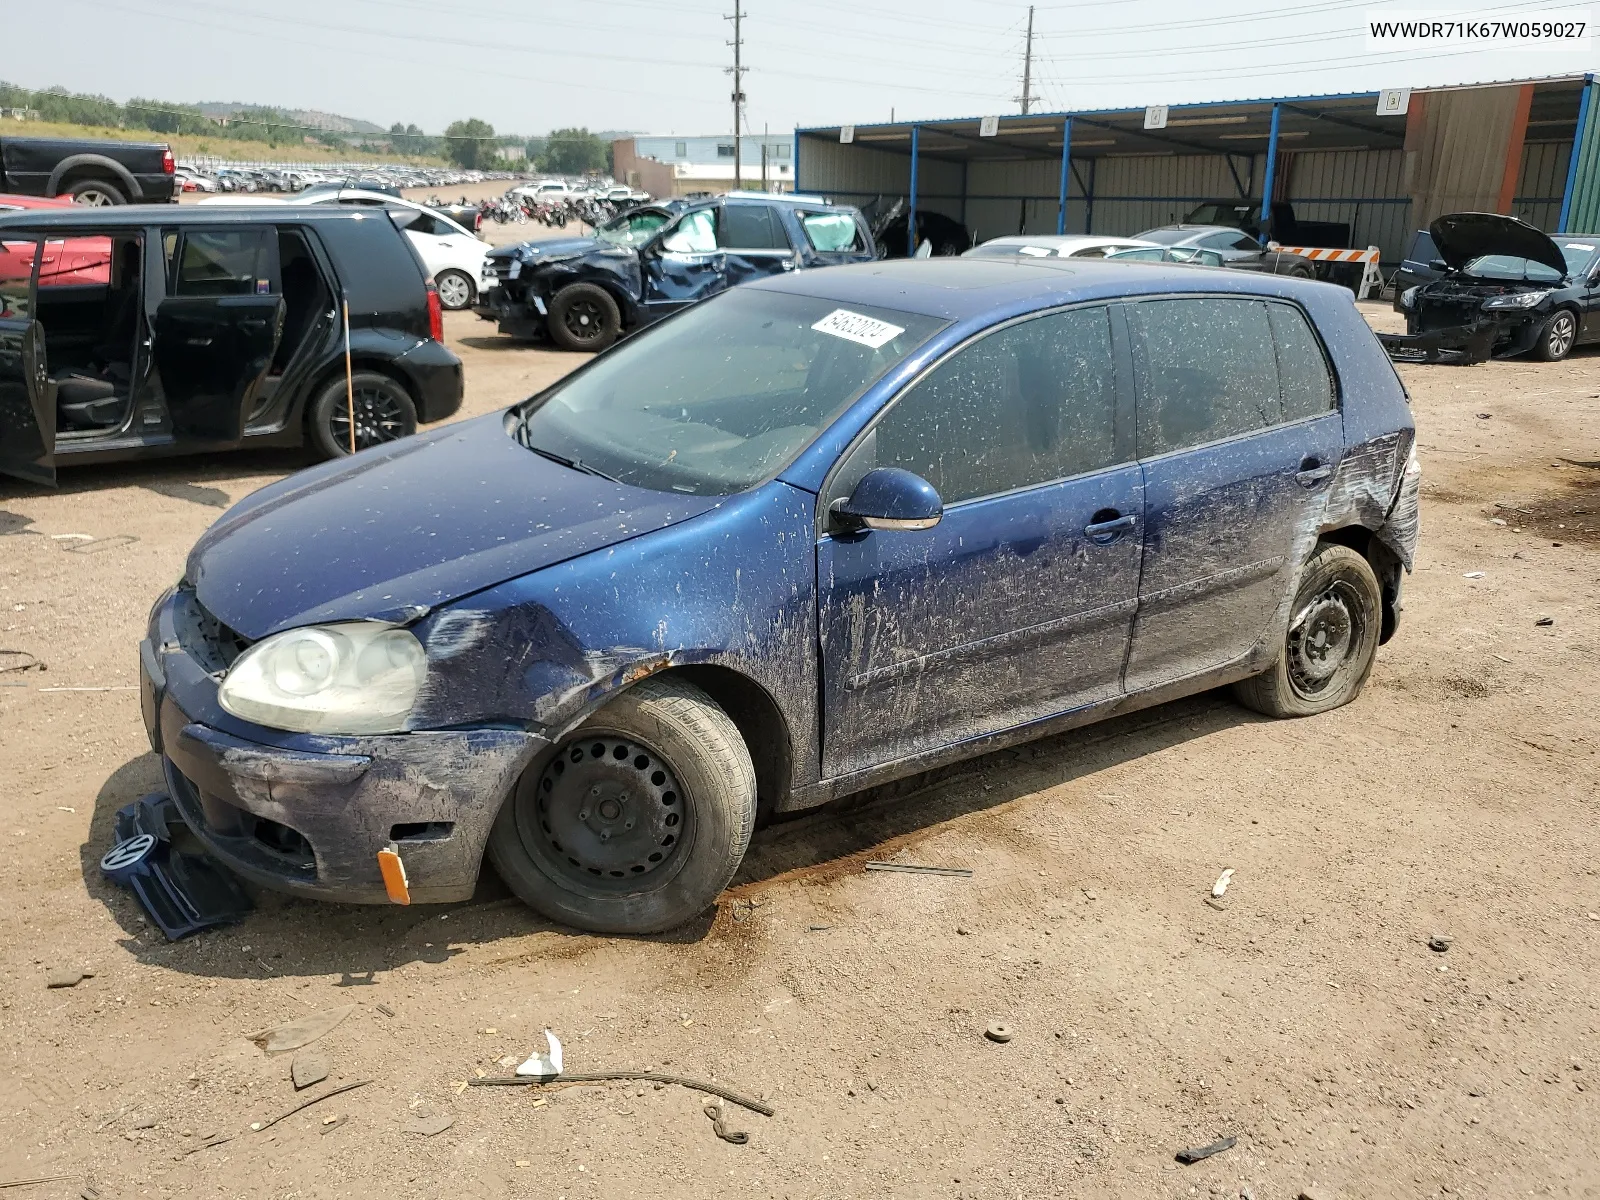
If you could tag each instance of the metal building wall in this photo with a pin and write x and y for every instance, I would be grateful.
(1364, 189)
(1583, 213)
(858, 174)
(1540, 183)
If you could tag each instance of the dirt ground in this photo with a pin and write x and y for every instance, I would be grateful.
(1304, 1015)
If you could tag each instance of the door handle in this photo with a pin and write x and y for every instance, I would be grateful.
(1106, 531)
(253, 323)
(1311, 473)
(199, 341)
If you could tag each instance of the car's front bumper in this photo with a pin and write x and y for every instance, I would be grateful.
(308, 815)
(523, 318)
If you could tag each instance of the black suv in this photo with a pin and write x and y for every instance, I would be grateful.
(583, 293)
(128, 332)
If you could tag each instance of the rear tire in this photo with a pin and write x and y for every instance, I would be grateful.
(1557, 337)
(455, 290)
(584, 317)
(1331, 641)
(637, 821)
(96, 193)
(385, 412)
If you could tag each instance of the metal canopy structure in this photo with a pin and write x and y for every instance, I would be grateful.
(1333, 156)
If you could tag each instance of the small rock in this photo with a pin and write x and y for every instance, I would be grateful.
(998, 1032)
(1438, 943)
(65, 977)
(1545, 621)
(308, 1067)
(963, 930)
(1497, 520)
(143, 1123)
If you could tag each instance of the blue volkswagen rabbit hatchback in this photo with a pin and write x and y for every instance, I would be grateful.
(812, 535)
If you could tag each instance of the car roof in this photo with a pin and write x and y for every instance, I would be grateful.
(959, 288)
(133, 216)
(1059, 239)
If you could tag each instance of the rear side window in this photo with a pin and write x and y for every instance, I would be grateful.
(1025, 405)
(1206, 370)
(1302, 370)
(750, 227)
(1422, 248)
(232, 262)
(831, 232)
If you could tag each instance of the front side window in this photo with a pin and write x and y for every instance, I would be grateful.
(831, 232)
(233, 262)
(633, 229)
(750, 227)
(724, 394)
(695, 234)
(1027, 404)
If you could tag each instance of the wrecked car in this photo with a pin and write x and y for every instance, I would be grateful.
(1506, 289)
(810, 536)
(584, 293)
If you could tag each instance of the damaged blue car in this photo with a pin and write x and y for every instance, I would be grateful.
(583, 293)
(810, 536)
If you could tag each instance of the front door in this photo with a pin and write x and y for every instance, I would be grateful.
(217, 328)
(27, 422)
(684, 265)
(1018, 604)
(1239, 436)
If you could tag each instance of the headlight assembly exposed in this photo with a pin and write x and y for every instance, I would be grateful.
(1408, 298)
(353, 677)
(1516, 300)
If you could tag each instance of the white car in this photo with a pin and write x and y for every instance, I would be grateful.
(1055, 245)
(454, 256)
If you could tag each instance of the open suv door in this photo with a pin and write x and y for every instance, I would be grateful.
(27, 419)
(218, 327)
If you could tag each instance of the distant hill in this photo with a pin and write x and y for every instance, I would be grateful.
(305, 116)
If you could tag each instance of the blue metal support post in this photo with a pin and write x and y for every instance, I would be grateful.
(911, 201)
(1066, 167)
(1271, 173)
(1584, 116)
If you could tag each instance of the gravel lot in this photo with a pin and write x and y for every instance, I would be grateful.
(1305, 1015)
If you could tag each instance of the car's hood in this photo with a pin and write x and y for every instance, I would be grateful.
(397, 530)
(555, 250)
(1462, 237)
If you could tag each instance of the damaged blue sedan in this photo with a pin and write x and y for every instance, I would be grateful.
(814, 534)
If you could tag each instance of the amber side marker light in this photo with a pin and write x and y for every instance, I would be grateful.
(394, 875)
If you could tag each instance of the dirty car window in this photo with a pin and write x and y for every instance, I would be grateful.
(723, 395)
(631, 229)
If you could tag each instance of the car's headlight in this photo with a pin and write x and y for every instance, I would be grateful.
(1516, 300)
(1408, 298)
(354, 677)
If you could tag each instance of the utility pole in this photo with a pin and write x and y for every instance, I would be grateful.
(737, 71)
(1027, 96)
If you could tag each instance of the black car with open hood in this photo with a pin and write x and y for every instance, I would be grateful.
(1506, 288)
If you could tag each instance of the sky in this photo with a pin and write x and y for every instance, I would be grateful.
(527, 66)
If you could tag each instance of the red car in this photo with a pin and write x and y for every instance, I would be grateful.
(67, 263)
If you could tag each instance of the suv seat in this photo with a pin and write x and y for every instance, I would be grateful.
(85, 401)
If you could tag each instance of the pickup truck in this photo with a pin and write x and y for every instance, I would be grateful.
(90, 172)
(1283, 226)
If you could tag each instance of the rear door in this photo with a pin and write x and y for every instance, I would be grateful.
(752, 236)
(1239, 435)
(217, 328)
(27, 422)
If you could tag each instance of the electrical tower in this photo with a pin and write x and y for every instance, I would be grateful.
(737, 71)
(1027, 98)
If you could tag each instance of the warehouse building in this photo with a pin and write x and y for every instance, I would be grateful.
(1383, 163)
(671, 164)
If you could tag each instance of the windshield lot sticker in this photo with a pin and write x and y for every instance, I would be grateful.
(1578, 246)
(856, 327)
(1035, 251)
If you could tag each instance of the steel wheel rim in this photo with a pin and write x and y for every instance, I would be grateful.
(1561, 335)
(584, 320)
(454, 292)
(606, 816)
(1328, 630)
(379, 418)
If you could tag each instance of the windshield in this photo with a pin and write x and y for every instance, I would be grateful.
(1509, 267)
(1165, 237)
(724, 394)
(1009, 250)
(1220, 214)
(632, 229)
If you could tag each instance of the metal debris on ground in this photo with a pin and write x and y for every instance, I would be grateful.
(734, 1137)
(96, 545)
(291, 1035)
(1438, 943)
(428, 1126)
(183, 893)
(546, 1065)
(15, 1183)
(384, 1009)
(9, 661)
(998, 1032)
(711, 1089)
(1203, 1152)
(65, 977)
(820, 928)
(914, 869)
(1221, 885)
(1545, 621)
(258, 1126)
(307, 1069)
(1472, 575)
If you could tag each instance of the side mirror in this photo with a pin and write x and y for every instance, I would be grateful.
(1439, 264)
(889, 498)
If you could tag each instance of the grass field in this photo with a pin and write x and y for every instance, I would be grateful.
(186, 146)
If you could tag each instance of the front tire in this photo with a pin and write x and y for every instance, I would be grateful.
(584, 317)
(384, 412)
(96, 193)
(1331, 641)
(455, 290)
(1556, 339)
(637, 821)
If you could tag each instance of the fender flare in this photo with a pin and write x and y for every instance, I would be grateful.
(123, 176)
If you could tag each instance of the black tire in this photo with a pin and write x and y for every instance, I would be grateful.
(681, 791)
(96, 193)
(456, 290)
(385, 412)
(1330, 644)
(1557, 336)
(584, 317)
